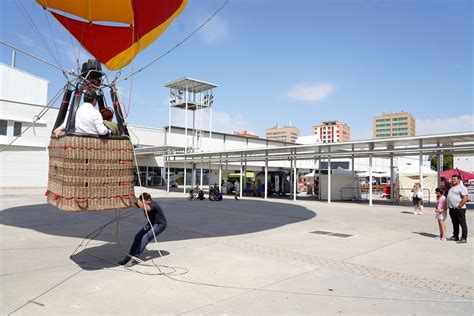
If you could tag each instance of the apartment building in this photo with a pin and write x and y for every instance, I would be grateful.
(284, 133)
(393, 125)
(332, 132)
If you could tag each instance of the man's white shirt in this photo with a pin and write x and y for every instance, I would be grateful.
(89, 120)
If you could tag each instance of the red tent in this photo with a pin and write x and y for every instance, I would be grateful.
(463, 174)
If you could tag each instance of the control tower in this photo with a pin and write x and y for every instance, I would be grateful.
(191, 95)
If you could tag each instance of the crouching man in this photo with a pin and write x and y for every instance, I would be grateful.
(145, 235)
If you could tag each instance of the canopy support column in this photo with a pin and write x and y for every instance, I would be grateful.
(240, 184)
(265, 196)
(439, 167)
(329, 179)
(168, 175)
(392, 179)
(186, 122)
(200, 177)
(220, 175)
(295, 176)
(319, 178)
(354, 179)
(370, 181)
(168, 138)
(420, 168)
(184, 174)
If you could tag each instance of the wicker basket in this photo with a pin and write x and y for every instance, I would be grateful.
(90, 173)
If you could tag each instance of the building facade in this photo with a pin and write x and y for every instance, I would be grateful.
(332, 132)
(464, 162)
(393, 125)
(284, 134)
(23, 163)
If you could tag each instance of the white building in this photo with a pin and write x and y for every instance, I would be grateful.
(464, 162)
(25, 162)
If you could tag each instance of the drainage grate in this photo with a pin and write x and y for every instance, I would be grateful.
(321, 232)
(341, 235)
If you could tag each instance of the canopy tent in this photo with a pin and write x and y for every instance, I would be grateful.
(463, 174)
(344, 185)
(375, 175)
(409, 175)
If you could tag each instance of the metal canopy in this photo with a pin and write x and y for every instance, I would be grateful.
(459, 143)
(190, 85)
(158, 150)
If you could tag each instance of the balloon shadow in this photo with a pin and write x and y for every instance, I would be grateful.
(187, 220)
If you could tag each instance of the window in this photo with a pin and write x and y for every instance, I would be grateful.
(17, 129)
(3, 127)
(400, 118)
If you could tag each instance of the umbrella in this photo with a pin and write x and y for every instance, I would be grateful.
(463, 174)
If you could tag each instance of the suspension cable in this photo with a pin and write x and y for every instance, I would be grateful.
(38, 116)
(37, 58)
(177, 45)
(36, 30)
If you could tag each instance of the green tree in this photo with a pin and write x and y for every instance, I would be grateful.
(447, 162)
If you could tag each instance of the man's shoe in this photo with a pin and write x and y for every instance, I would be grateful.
(131, 263)
(124, 260)
(462, 241)
(453, 238)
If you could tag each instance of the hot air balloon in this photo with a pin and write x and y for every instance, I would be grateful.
(136, 25)
(90, 172)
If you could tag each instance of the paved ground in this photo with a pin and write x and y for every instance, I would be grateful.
(239, 257)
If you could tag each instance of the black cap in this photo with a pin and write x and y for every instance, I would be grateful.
(90, 94)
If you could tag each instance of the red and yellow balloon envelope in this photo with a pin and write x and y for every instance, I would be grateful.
(136, 24)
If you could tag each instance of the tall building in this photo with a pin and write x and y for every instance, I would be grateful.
(246, 134)
(285, 133)
(393, 125)
(332, 132)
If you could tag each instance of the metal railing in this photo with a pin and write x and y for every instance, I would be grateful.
(362, 194)
(404, 194)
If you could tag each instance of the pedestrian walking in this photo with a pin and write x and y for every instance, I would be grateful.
(417, 198)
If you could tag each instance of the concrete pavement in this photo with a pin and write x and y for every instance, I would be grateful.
(233, 257)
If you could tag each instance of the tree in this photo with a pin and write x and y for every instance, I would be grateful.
(447, 162)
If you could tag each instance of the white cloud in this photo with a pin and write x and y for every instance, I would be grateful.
(311, 92)
(462, 123)
(217, 29)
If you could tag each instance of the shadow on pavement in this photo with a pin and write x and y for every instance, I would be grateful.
(186, 220)
(425, 234)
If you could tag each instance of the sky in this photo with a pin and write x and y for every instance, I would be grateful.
(286, 61)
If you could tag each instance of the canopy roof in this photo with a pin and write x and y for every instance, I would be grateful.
(190, 84)
(413, 170)
(455, 143)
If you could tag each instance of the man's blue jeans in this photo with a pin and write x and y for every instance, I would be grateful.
(143, 237)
